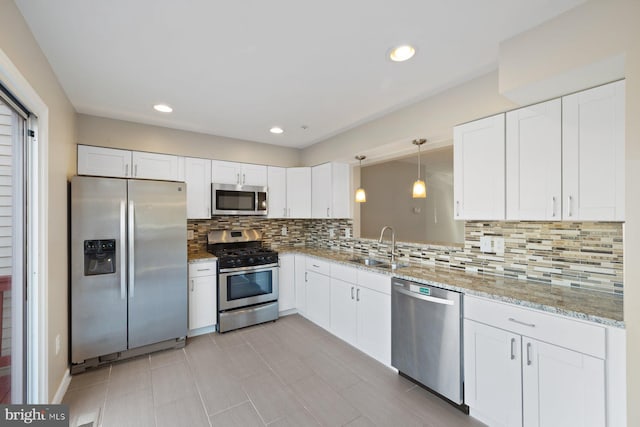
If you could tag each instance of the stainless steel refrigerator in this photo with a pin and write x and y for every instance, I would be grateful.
(128, 268)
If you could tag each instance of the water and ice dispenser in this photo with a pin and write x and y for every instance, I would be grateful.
(99, 257)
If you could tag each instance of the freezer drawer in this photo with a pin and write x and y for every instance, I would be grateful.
(426, 336)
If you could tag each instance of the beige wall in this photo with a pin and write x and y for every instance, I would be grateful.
(388, 186)
(135, 136)
(17, 42)
(432, 118)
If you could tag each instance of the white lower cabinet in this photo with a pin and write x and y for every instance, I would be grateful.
(561, 387)
(361, 310)
(300, 284)
(318, 298)
(492, 369)
(512, 379)
(203, 308)
(343, 310)
(286, 283)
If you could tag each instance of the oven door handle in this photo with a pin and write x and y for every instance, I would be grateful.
(252, 268)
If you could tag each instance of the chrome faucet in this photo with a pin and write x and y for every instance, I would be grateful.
(393, 244)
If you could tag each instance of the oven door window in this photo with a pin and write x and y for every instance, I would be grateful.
(248, 285)
(235, 200)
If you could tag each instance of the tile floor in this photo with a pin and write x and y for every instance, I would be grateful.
(287, 373)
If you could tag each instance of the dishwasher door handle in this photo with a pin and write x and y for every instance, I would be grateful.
(399, 288)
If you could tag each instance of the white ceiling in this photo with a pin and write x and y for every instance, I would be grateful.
(236, 68)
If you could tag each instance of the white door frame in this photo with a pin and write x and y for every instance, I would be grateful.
(37, 261)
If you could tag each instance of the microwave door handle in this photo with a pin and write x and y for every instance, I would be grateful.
(132, 252)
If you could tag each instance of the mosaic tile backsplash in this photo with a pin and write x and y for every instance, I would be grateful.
(578, 254)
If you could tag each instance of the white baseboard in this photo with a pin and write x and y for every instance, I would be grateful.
(62, 388)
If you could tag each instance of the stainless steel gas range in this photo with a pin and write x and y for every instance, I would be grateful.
(247, 278)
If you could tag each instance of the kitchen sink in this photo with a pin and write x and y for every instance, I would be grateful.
(371, 262)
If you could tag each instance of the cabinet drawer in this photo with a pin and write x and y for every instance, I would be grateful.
(344, 273)
(575, 335)
(198, 269)
(319, 266)
(375, 281)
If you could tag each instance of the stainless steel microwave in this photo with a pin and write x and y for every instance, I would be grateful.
(232, 199)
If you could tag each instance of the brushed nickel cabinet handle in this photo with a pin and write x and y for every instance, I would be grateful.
(519, 322)
(529, 361)
(513, 350)
(569, 200)
(352, 292)
(553, 206)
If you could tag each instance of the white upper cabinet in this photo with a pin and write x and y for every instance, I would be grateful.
(593, 154)
(198, 179)
(479, 172)
(277, 184)
(299, 192)
(116, 163)
(223, 172)
(330, 191)
(534, 169)
(101, 161)
(157, 166)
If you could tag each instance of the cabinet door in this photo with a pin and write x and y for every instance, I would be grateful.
(321, 191)
(593, 154)
(340, 191)
(374, 324)
(225, 172)
(202, 302)
(100, 161)
(286, 283)
(156, 166)
(254, 175)
(534, 166)
(343, 310)
(300, 284)
(277, 184)
(198, 179)
(299, 192)
(561, 387)
(492, 369)
(478, 169)
(319, 299)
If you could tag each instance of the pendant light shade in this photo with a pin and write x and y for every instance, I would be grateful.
(419, 186)
(361, 196)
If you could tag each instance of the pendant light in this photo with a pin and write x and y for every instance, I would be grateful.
(419, 186)
(361, 196)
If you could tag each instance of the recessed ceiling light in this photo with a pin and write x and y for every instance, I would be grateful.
(402, 53)
(163, 108)
(276, 130)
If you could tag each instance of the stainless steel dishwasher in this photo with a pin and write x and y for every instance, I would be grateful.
(426, 337)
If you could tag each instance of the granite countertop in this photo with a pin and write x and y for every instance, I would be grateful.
(200, 256)
(582, 304)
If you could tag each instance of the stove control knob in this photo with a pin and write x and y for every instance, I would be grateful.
(251, 261)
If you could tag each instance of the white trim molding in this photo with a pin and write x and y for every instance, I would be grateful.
(37, 260)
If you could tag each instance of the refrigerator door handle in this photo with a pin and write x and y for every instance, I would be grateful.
(123, 252)
(131, 250)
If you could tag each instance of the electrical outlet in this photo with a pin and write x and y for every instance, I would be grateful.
(283, 230)
(485, 243)
(190, 235)
(332, 233)
(57, 344)
(498, 245)
(347, 233)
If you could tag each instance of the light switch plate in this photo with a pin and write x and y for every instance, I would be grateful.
(485, 243)
(498, 245)
(190, 235)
